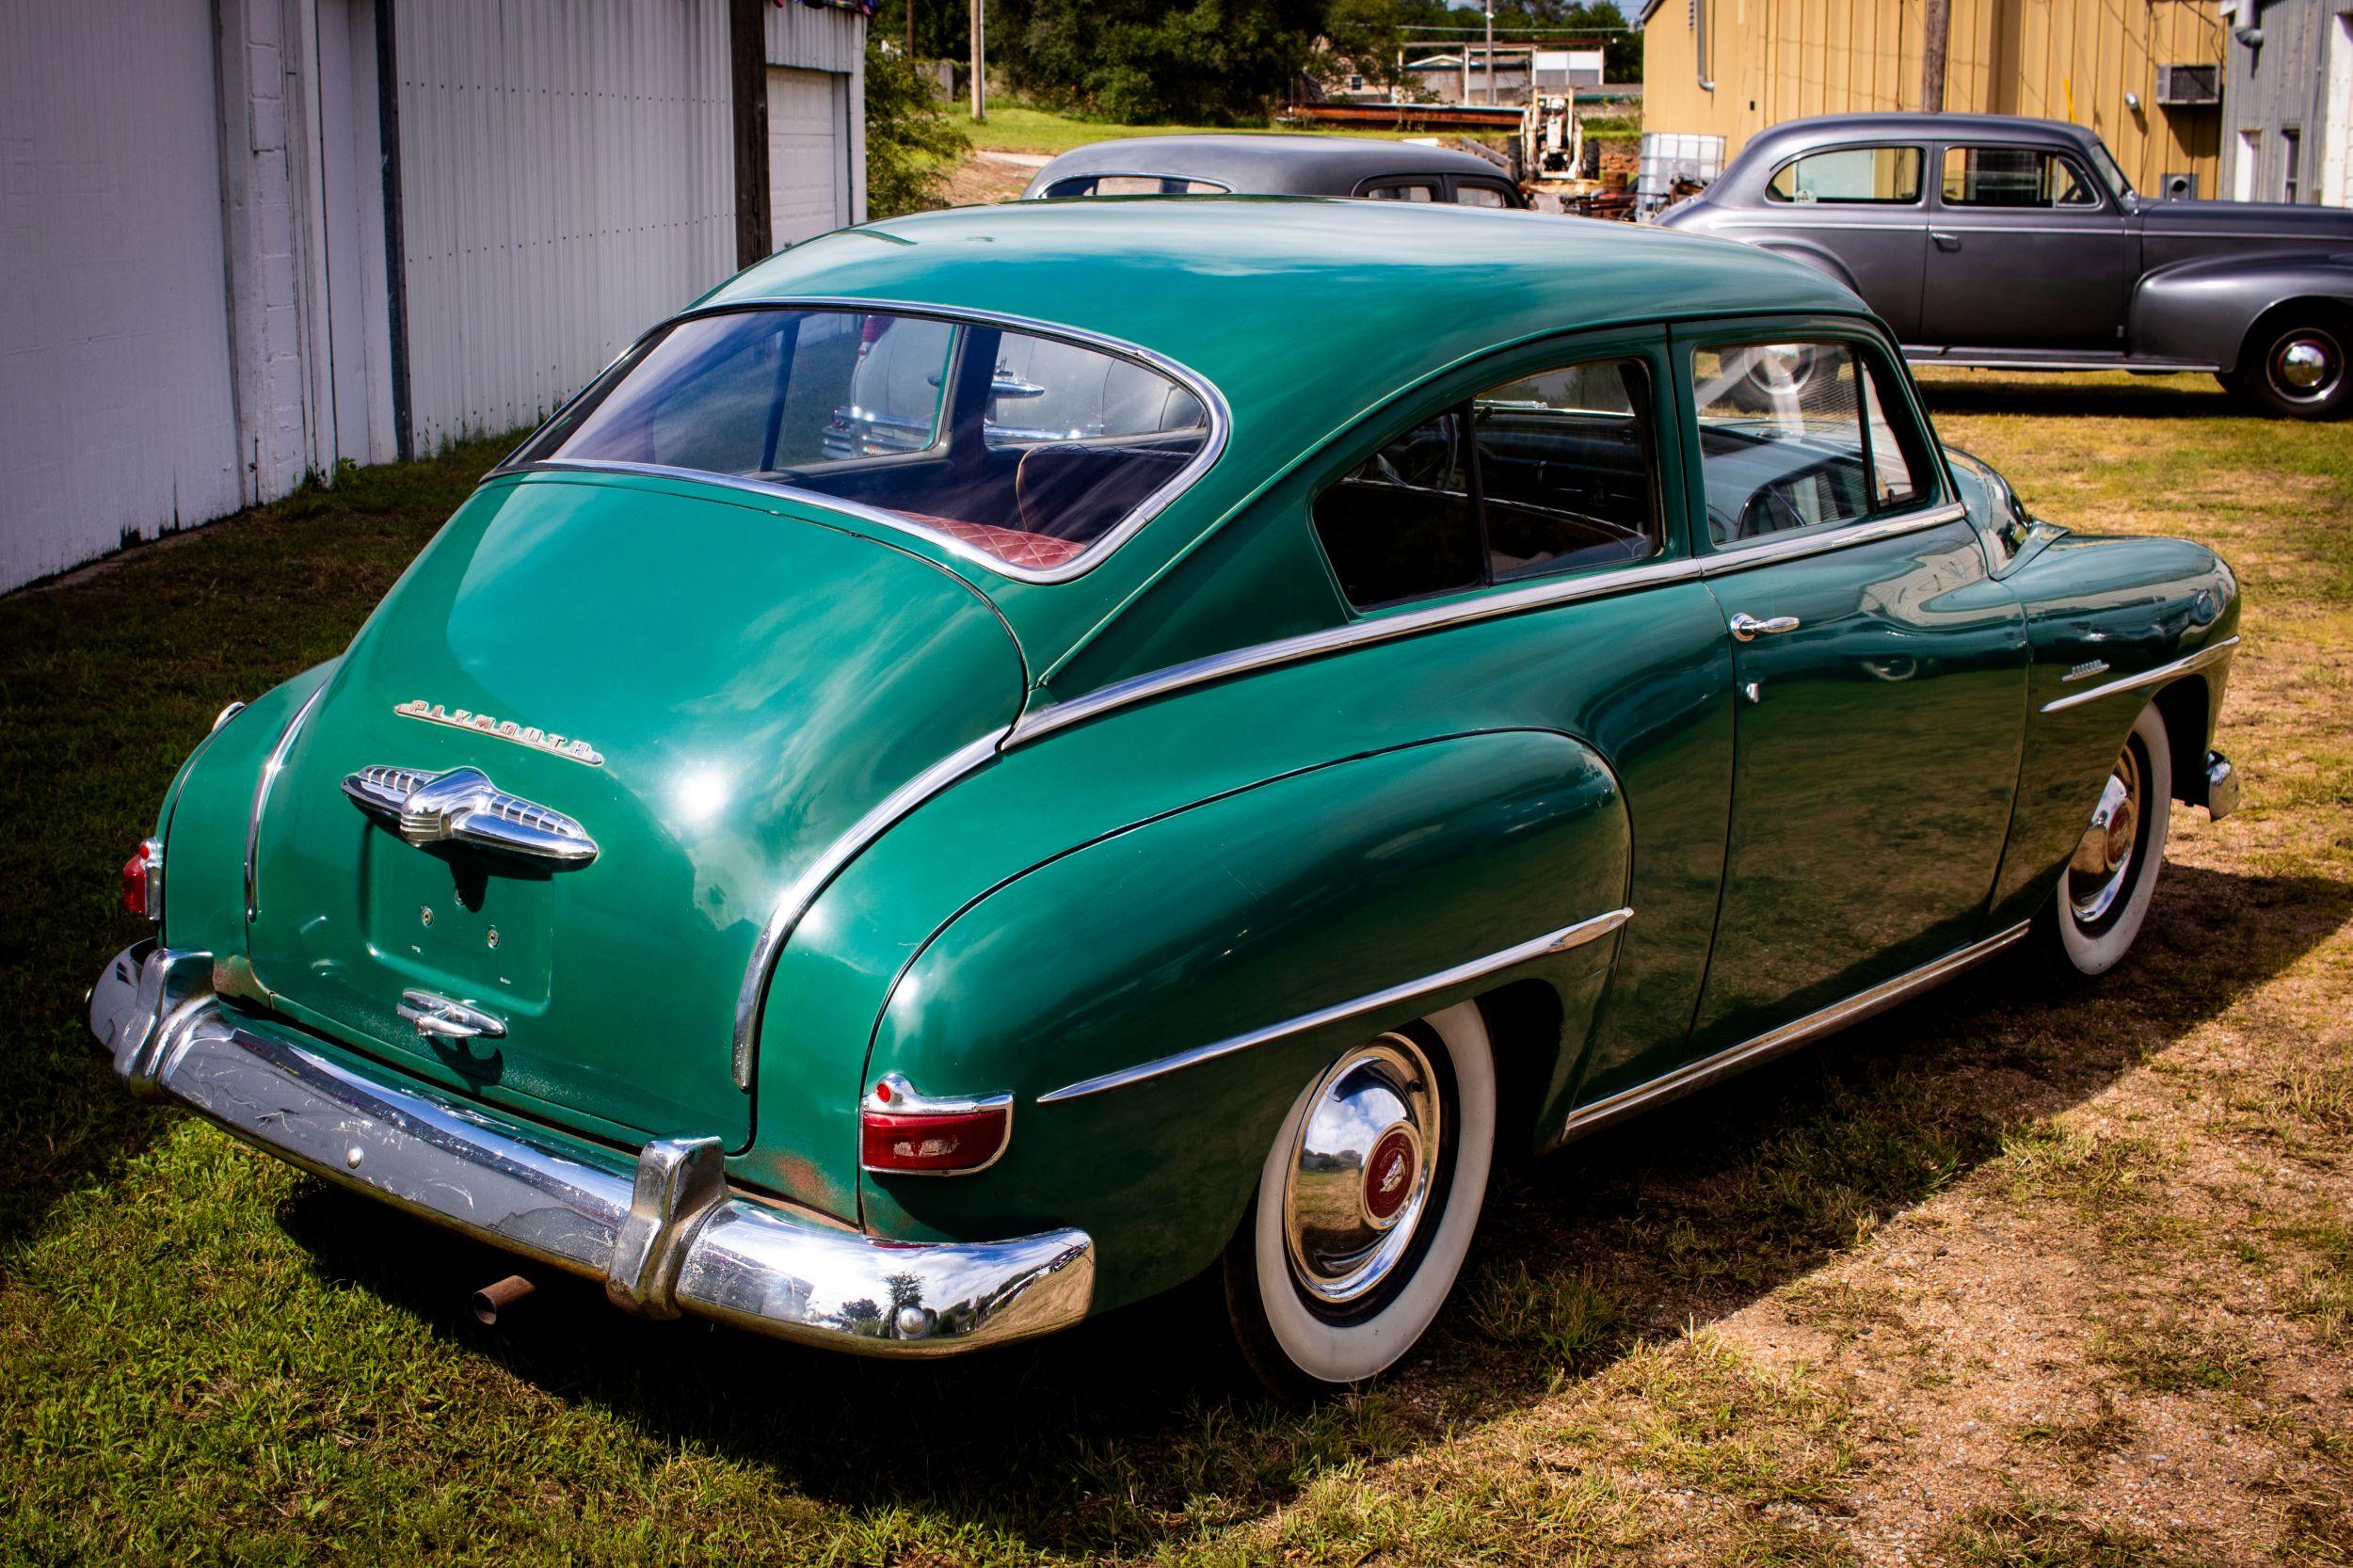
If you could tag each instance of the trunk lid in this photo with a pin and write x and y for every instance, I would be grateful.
(713, 688)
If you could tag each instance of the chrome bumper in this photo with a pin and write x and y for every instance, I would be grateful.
(2221, 787)
(665, 1236)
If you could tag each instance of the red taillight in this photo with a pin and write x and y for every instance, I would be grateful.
(904, 1132)
(143, 881)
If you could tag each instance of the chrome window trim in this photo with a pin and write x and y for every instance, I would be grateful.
(819, 875)
(1819, 541)
(1377, 627)
(1563, 940)
(1098, 550)
(1773, 1041)
(270, 770)
(2213, 653)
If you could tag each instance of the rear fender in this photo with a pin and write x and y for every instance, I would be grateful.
(1220, 920)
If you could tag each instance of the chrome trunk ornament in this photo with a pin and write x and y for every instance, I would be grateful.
(464, 806)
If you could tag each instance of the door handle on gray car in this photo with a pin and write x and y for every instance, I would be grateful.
(1748, 628)
(1944, 241)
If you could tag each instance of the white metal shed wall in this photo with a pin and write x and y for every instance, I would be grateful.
(566, 177)
(117, 413)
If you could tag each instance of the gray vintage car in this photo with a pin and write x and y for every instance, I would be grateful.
(1263, 164)
(2016, 244)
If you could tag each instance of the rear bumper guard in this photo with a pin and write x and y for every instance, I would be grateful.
(665, 1238)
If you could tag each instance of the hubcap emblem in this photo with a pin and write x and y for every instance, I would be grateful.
(1389, 1175)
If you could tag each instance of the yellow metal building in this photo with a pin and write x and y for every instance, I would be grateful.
(1730, 68)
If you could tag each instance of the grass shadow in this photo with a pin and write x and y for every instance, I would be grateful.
(1106, 1438)
(2114, 395)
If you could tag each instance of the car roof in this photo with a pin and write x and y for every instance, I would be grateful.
(1267, 164)
(1299, 309)
(1914, 126)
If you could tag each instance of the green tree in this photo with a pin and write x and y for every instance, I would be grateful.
(1364, 37)
(910, 142)
(1210, 61)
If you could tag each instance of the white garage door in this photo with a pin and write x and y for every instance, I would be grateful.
(808, 152)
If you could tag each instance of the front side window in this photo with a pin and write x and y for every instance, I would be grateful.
(1025, 448)
(1796, 436)
(1548, 473)
(2014, 177)
(1850, 176)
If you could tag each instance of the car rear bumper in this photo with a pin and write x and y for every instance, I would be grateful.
(667, 1235)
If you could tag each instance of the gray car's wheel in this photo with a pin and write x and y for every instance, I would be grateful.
(2299, 366)
(1365, 1207)
(2103, 891)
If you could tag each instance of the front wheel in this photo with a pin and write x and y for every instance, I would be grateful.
(2105, 890)
(1365, 1207)
(2298, 367)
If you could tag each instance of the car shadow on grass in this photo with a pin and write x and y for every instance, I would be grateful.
(1106, 1438)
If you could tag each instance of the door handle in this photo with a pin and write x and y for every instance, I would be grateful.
(1944, 241)
(1748, 628)
(440, 1018)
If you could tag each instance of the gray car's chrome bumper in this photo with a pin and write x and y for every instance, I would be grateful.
(666, 1237)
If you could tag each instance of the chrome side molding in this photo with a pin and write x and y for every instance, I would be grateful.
(2213, 653)
(1541, 947)
(1772, 1043)
(270, 770)
(462, 804)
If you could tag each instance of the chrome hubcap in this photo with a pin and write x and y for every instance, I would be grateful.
(2306, 364)
(1362, 1169)
(2102, 861)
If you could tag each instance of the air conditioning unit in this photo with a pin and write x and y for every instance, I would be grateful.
(2189, 84)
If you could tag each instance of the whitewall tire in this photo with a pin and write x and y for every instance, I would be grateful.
(1364, 1205)
(2105, 890)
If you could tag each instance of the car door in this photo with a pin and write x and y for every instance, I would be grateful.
(1879, 671)
(1857, 213)
(2025, 250)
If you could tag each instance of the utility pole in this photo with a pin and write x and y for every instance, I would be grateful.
(1490, 51)
(910, 32)
(980, 68)
(1936, 33)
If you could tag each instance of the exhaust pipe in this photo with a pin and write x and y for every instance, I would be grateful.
(498, 1296)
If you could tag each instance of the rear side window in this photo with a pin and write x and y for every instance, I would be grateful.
(1021, 447)
(1795, 436)
(1131, 185)
(1550, 473)
(1471, 194)
(1403, 190)
(2014, 177)
(1850, 176)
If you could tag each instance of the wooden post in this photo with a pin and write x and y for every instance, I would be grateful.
(748, 50)
(910, 32)
(980, 67)
(1936, 33)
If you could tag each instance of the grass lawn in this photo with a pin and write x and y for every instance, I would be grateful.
(2003, 1277)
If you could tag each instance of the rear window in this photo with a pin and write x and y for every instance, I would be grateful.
(1026, 449)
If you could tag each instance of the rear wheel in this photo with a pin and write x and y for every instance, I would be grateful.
(1365, 1207)
(2104, 892)
(2299, 366)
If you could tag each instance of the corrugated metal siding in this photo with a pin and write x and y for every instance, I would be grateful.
(809, 37)
(115, 411)
(567, 179)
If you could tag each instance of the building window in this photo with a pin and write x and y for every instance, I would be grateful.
(2291, 150)
(1888, 175)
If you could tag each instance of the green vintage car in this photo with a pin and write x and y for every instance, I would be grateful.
(1009, 759)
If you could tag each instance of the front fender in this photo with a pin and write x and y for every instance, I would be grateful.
(1218, 920)
(2202, 309)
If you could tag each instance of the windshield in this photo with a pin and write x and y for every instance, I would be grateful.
(2110, 175)
(1026, 450)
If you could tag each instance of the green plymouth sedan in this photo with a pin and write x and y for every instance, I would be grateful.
(1009, 759)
